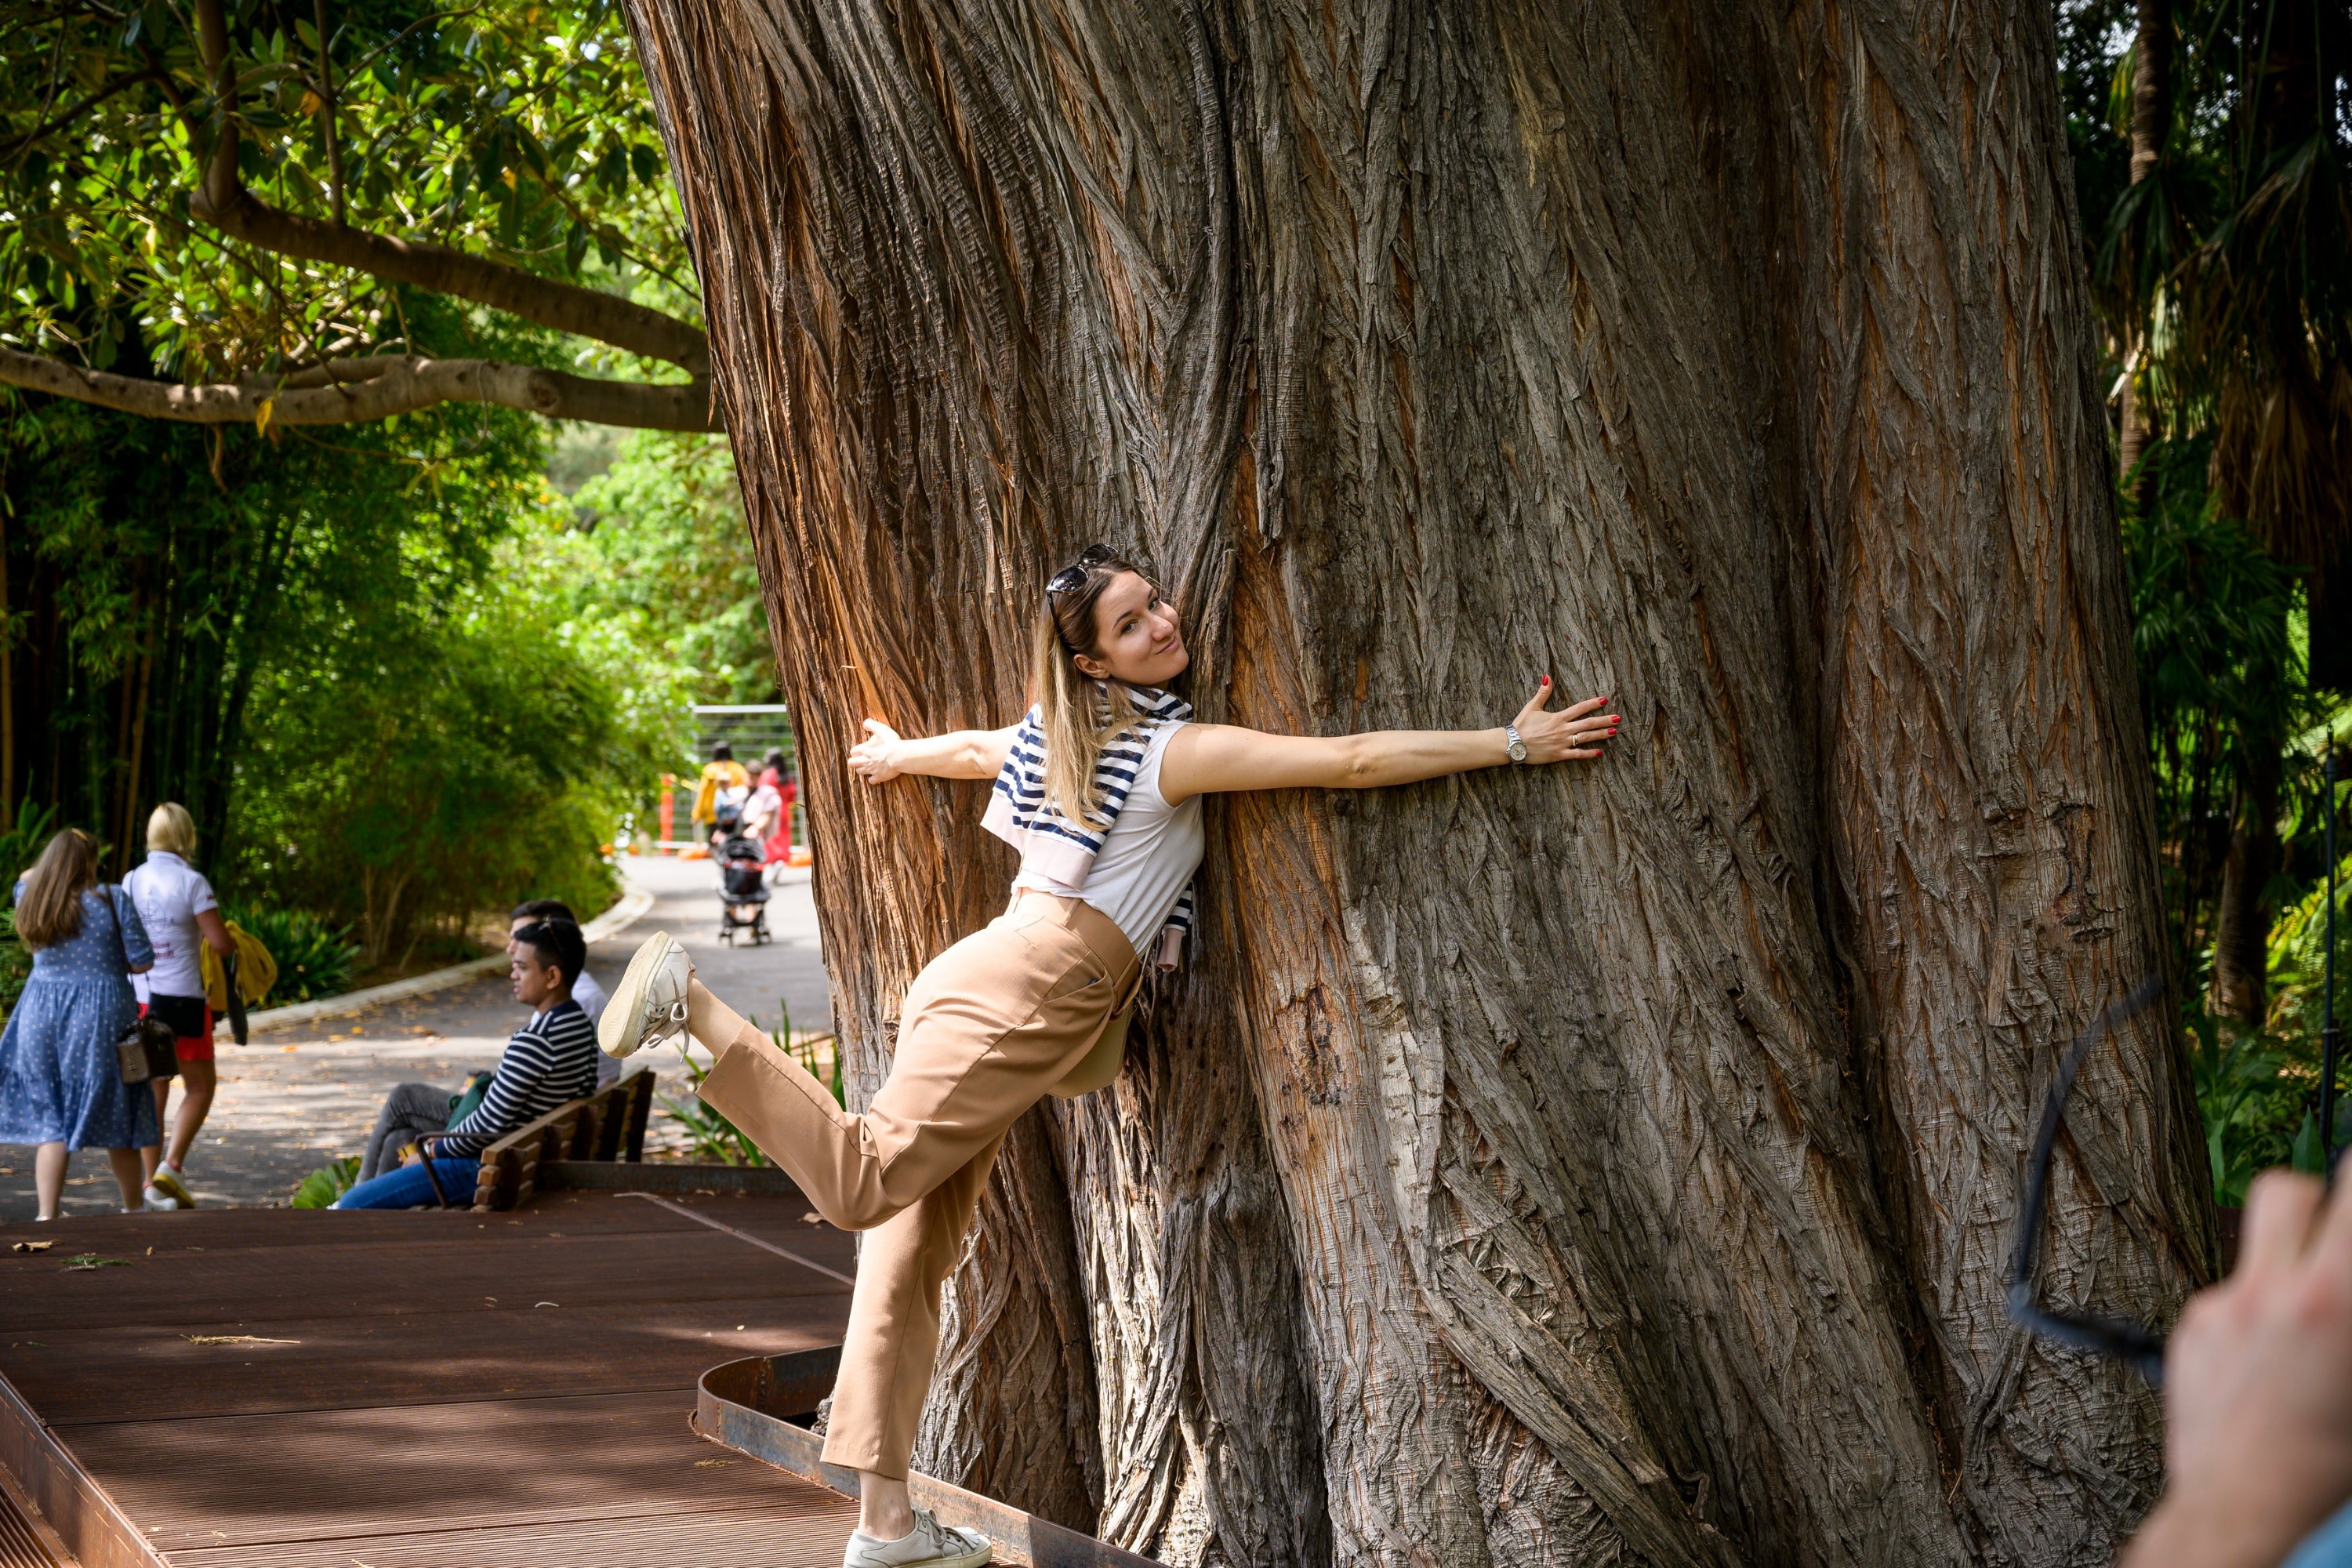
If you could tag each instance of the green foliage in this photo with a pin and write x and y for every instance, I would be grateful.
(453, 754)
(179, 569)
(21, 844)
(16, 962)
(2244, 1100)
(321, 1187)
(314, 957)
(2220, 675)
(518, 129)
(2210, 612)
(659, 549)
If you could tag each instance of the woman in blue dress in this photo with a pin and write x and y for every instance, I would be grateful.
(60, 1086)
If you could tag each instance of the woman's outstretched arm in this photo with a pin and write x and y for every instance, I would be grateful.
(1211, 759)
(885, 753)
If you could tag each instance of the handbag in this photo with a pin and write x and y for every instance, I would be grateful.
(467, 1100)
(146, 1049)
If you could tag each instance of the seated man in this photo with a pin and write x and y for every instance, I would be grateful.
(584, 990)
(550, 1060)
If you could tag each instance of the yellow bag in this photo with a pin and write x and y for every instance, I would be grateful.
(256, 971)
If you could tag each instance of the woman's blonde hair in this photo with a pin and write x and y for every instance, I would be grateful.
(1079, 714)
(171, 829)
(50, 911)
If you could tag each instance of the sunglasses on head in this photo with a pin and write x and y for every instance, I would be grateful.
(2116, 1339)
(1071, 578)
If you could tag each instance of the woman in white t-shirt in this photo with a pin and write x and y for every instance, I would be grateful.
(1099, 787)
(177, 906)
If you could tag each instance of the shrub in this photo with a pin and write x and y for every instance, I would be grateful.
(321, 1187)
(16, 962)
(21, 842)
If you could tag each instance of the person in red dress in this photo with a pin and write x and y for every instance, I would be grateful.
(776, 773)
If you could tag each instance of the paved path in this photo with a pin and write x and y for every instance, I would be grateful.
(297, 1098)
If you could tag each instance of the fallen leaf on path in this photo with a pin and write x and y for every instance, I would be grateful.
(812, 1218)
(85, 1261)
(547, 1304)
(32, 1247)
(234, 1340)
(707, 1463)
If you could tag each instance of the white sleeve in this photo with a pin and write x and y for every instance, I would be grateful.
(201, 898)
(590, 995)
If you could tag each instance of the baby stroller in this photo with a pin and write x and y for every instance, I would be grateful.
(742, 890)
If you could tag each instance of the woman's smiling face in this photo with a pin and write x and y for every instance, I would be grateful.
(1138, 638)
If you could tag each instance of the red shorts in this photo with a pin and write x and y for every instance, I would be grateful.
(190, 1018)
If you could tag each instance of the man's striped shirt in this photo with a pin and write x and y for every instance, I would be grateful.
(548, 1061)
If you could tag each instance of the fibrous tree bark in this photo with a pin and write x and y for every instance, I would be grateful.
(1574, 1166)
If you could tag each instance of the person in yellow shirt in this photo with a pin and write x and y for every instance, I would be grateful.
(722, 771)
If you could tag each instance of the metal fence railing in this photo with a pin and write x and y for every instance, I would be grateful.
(751, 730)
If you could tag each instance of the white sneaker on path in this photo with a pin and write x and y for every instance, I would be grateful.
(648, 1006)
(930, 1544)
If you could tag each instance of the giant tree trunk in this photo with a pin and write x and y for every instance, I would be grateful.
(1597, 1165)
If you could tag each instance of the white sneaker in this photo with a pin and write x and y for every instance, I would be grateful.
(930, 1544)
(648, 1006)
(155, 1200)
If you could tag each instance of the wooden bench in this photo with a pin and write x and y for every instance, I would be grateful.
(609, 1125)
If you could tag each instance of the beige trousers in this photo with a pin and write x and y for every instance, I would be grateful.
(989, 1027)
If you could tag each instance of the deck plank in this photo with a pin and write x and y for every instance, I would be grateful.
(428, 1409)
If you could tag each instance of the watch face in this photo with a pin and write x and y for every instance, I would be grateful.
(1518, 752)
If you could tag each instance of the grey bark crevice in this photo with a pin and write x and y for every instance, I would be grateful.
(1994, 913)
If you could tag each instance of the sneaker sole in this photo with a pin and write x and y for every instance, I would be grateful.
(632, 992)
(980, 1559)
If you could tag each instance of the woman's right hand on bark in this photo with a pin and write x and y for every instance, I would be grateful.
(875, 758)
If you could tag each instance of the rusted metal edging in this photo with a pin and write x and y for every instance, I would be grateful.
(97, 1533)
(744, 1405)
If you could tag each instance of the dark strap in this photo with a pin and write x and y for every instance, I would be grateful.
(236, 1024)
(425, 1158)
(120, 946)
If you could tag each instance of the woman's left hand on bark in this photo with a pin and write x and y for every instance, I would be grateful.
(1575, 734)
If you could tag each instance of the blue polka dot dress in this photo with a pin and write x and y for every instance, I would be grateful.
(60, 1080)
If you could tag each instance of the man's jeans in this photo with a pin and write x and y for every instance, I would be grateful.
(409, 1111)
(407, 1187)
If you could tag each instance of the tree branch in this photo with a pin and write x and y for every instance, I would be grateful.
(359, 391)
(566, 307)
(223, 201)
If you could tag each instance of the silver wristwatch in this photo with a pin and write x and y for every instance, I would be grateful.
(1513, 744)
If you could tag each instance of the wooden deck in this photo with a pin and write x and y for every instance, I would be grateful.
(250, 1387)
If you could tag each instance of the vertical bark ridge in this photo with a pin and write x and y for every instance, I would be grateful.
(1991, 829)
